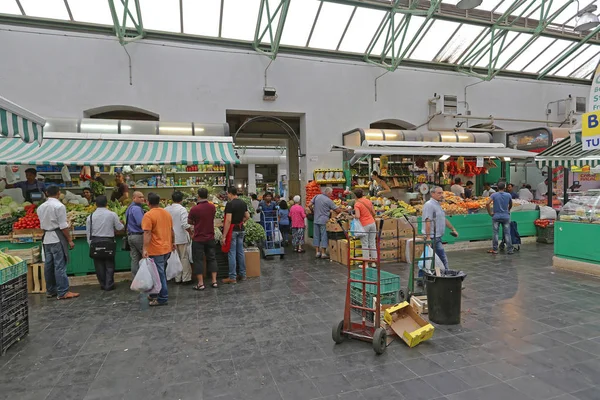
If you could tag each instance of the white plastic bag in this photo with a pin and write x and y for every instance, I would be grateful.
(547, 213)
(174, 266)
(143, 281)
(426, 264)
(277, 236)
(356, 229)
(65, 174)
(155, 276)
(189, 252)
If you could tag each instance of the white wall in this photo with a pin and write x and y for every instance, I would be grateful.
(59, 74)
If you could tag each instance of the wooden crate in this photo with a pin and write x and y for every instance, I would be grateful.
(30, 255)
(36, 282)
(419, 304)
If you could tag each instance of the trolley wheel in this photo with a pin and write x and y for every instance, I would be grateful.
(401, 294)
(502, 246)
(281, 256)
(380, 340)
(336, 332)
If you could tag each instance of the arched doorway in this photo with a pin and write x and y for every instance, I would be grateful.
(121, 112)
(393, 124)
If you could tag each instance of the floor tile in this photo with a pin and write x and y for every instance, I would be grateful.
(534, 387)
(416, 389)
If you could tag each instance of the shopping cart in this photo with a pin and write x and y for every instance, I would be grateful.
(365, 330)
(273, 244)
(420, 278)
(515, 237)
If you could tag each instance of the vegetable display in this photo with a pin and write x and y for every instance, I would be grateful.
(254, 233)
(6, 225)
(248, 202)
(8, 260)
(312, 189)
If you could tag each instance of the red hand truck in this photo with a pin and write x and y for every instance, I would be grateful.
(365, 330)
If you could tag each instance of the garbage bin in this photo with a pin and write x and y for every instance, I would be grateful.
(444, 296)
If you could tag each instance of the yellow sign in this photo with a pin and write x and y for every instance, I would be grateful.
(590, 131)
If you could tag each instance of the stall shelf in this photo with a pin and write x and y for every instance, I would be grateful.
(577, 241)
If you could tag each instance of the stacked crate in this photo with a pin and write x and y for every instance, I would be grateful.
(14, 312)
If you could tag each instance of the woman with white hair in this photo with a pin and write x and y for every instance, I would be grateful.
(297, 216)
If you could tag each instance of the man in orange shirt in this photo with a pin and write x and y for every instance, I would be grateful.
(159, 242)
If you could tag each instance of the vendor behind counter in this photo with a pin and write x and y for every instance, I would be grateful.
(33, 190)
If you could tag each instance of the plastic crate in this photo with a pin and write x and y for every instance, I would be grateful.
(13, 287)
(356, 299)
(390, 283)
(545, 235)
(15, 300)
(14, 271)
(13, 336)
(14, 325)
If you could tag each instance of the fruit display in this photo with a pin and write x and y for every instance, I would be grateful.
(312, 189)
(582, 208)
(29, 221)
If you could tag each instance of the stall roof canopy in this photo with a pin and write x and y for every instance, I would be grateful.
(15, 121)
(98, 149)
(565, 154)
(437, 150)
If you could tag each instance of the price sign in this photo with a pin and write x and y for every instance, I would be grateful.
(479, 162)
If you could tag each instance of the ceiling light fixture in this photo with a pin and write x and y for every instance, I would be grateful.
(586, 19)
(468, 4)
(444, 157)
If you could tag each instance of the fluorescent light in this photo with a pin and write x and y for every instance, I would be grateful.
(444, 157)
(104, 126)
(506, 158)
(199, 129)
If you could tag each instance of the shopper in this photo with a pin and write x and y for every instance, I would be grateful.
(182, 235)
(510, 189)
(30, 185)
(135, 238)
(322, 205)
(365, 213)
(468, 190)
(525, 193)
(457, 188)
(88, 195)
(159, 242)
(236, 213)
(500, 216)
(100, 226)
(297, 217)
(436, 223)
(57, 242)
(488, 190)
(283, 217)
(202, 217)
(268, 216)
(255, 203)
(380, 186)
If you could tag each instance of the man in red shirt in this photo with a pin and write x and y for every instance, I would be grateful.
(202, 217)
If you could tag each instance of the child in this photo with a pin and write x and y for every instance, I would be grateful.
(297, 216)
(283, 218)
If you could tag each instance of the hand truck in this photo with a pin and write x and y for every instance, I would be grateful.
(270, 246)
(427, 241)
(364, 330)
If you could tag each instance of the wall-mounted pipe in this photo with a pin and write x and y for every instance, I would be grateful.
(492, 118)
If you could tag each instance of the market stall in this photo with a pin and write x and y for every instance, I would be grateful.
(412, 167)
(148, 163)
(578, 227)
(18, 122)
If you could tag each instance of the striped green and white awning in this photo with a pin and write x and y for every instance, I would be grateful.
(95, 150)
(15, 121)
(566, 154)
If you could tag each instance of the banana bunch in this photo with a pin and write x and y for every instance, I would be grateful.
(8, 260)
(395, 213)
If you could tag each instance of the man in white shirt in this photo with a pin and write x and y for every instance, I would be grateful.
(57, 242)
(541, 190)
(525, 193)
(255, 203)
(182, 238)
(488, 191)
(457, 188)
(101, 226)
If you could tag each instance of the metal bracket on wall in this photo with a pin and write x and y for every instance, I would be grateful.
(394, 49)
(271, 20)
(124, 33)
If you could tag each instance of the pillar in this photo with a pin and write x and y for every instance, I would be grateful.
(251, 178)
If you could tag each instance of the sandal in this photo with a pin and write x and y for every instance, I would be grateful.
(155, 303)
(198, 287)
(214, 285)
(493, 251)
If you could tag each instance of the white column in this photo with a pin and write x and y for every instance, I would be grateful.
(251, 178)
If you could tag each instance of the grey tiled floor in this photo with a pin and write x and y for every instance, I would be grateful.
(527, 332)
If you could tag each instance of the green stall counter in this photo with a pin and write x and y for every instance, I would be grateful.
(577, 241)
(479, 226)
(81, 263)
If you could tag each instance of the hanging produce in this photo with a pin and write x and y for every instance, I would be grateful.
(312, 189)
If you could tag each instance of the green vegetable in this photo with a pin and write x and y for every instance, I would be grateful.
(6, 200)
(6, 225)
(97, 188)
(218, 234)
(254, 233)
(248, 202)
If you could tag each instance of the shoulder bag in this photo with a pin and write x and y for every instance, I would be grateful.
(125, 244)
(101, 248)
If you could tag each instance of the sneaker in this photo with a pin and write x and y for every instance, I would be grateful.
(318, 255)
(229, 281)
(324, 256)
(241, 278)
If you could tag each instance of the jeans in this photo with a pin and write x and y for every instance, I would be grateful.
(439, 250)
(55, 269)
(161, 265)
(507, 239)
(320, 236)
(369, 242)
(236, 253)
(136, 243)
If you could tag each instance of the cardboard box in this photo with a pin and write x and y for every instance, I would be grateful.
(252, 256)
(386, 244)
(405, 229)
(407, 324)
(335, 226)
(387, 255)
(334, 250)
(419, 249)
(355, 250)
(402, 249)
(389, 224)
(386, 235)
(419, 304)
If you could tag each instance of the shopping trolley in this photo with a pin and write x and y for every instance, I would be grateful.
(365, 330)
(416, 259)
(273, 244)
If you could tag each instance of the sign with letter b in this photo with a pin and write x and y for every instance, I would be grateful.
(590, 131)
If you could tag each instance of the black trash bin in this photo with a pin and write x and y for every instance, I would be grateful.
(444, 296)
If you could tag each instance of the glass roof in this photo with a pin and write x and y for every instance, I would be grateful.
(467, 40)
